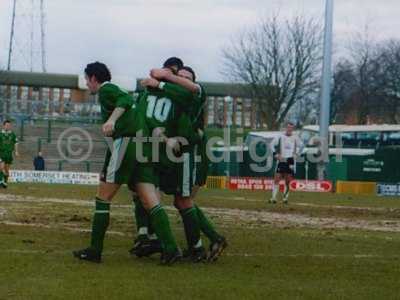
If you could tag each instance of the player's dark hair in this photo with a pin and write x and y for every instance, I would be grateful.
(6, 122)
(99, 71)
(173, 61)
(190, 70)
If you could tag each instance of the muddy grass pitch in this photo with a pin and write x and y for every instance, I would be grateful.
(318, 247)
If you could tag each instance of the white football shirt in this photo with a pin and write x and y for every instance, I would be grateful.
(287, 146)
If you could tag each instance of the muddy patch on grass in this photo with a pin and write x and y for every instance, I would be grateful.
(250, 218)
(61, 225)
(3, 212)
(287, 218)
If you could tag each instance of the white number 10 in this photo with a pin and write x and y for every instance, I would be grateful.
(158, 108)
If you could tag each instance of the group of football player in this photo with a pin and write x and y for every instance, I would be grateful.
(156, 143)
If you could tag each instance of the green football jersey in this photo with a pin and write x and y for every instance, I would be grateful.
(187, 130)
(8, 140)
(199, 109)
(192, 121)
(162, 108)
(111, 97)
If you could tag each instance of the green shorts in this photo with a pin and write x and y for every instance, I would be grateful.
(186, 174)
(121, 165)
(6, 158)
(144, 172)
(166, 172)
(167, 179)
(175, 178)
(202, 165)
(180, 178)
(119, 160)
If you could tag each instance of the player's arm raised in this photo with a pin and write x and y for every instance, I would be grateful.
(174, 92)
(177, 93)
(165, 75)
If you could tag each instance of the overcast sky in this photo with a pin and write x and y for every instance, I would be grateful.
(132, 36)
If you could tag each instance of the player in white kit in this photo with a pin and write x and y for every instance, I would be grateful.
(285, 148)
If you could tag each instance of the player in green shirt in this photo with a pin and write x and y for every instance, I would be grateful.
(121, 120)
(193, 218)
(162, 103)
(217, 242)
(146, 238)
(8, 146)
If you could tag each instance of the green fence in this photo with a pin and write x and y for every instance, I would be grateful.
(383, 166)
(48, 125)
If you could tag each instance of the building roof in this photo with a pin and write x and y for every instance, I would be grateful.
(355, 128)
(69, 81)
(267, 134)
(218, 89)
(33, 79)
(343, 151)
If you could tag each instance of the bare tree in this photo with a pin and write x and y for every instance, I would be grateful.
(343, 89)
(364, 54)
(280, 62)
(368, 83)
(305, 111)
(389, 79)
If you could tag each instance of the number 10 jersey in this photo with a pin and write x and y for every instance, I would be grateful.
(162, 108)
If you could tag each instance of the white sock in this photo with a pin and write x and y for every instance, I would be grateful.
(199, 244)
(143, 231)
(275, 190)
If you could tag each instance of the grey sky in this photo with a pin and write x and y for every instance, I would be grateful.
(134, 35)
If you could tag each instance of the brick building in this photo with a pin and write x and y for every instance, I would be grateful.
(62, 95)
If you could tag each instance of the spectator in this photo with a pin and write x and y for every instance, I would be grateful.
(38, 162)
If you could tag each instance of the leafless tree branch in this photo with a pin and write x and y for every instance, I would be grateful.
(280, 62)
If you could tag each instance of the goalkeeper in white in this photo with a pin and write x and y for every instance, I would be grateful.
(285, 148)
